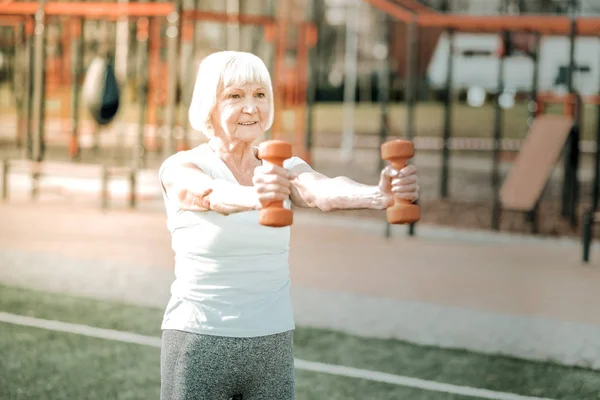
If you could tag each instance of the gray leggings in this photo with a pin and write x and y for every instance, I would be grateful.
(205, 367)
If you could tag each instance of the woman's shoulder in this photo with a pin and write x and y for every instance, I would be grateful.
(194, 155)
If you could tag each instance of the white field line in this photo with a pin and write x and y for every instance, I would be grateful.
(330, 369)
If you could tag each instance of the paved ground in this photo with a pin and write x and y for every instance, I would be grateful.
(492, 293)
(470, 193)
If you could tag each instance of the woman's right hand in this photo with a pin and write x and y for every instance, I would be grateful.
(272, 183)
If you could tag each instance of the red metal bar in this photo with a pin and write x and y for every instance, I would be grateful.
(19, 8)
(11, 20)
(89, 10)
(415, 6)
(591, 99)
(493, 23)
(590, 26)
(392, 9)
(242, 19)
(556, 25)
(551, 25)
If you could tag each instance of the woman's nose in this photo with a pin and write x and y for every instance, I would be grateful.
(250, 107)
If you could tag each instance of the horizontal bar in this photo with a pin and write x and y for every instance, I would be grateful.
(556, 98)
(555, 25)
(589, 25)
(591, 99)
(415, 6)
(392, 9)
(493, 22)
(545, 24)
(89, 10)
(18, 8)
(243, 19)
(12, 20)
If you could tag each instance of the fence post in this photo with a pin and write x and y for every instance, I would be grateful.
(132, 188)
(35, 179)
(104, 193)
(5, 171)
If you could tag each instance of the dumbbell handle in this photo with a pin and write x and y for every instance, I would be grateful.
(275, 214)
(399, 164)
(397, 152)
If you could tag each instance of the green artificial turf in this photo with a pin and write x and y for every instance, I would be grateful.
(39, 364)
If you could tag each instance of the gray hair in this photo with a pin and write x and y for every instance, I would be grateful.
(217, 72)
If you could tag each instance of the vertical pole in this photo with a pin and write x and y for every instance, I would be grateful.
(105, 188)
(411, 78)
(19, 82)
(383, 94)
(154, 85)
(280, 85)
(411, 86)
(535, 58)
(39, 82)
(189, 34)
(28, 100)
(311, 85)
(596, 191)
(139, 152)
(122, 48)
(173, 20)
(300, 99)
(383, 89)
(5, 175)
(569, 184)
(497, 141)
(132, 188)
(447, 117)
(573, 157)
(233, 29)
(350, 77)
(76, 70)
(311, 90)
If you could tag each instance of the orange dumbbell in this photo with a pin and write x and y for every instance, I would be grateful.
(275, 152)
(397, 152)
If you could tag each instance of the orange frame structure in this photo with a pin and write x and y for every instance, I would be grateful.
(289, 82)
(414, 14)
(412, 11)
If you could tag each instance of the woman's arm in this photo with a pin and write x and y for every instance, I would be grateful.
(193, 190)
(313, 189)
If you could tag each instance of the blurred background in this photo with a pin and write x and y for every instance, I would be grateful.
(494, 288)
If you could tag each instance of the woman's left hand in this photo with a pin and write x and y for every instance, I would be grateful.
(401, 184)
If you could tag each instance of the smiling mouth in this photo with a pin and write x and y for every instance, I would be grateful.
(247, 123)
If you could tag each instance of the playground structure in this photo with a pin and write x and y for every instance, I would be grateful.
(520, 192)
(548, 136)
(66, 72)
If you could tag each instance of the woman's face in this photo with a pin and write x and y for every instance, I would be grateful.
(241, 112)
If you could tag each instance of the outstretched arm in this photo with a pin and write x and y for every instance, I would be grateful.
(190, 188)
(313, 189)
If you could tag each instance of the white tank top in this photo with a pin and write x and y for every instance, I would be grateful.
(231, 273)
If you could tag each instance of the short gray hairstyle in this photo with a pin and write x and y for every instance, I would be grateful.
(217, 72)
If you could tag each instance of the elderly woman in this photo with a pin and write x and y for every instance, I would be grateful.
(228, 327)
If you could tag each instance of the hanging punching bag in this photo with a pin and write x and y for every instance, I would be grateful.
(101, 91)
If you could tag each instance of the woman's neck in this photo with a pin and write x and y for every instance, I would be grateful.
(238, 153)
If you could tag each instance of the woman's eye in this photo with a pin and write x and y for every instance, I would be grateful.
(234, 96)
(261, 95)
